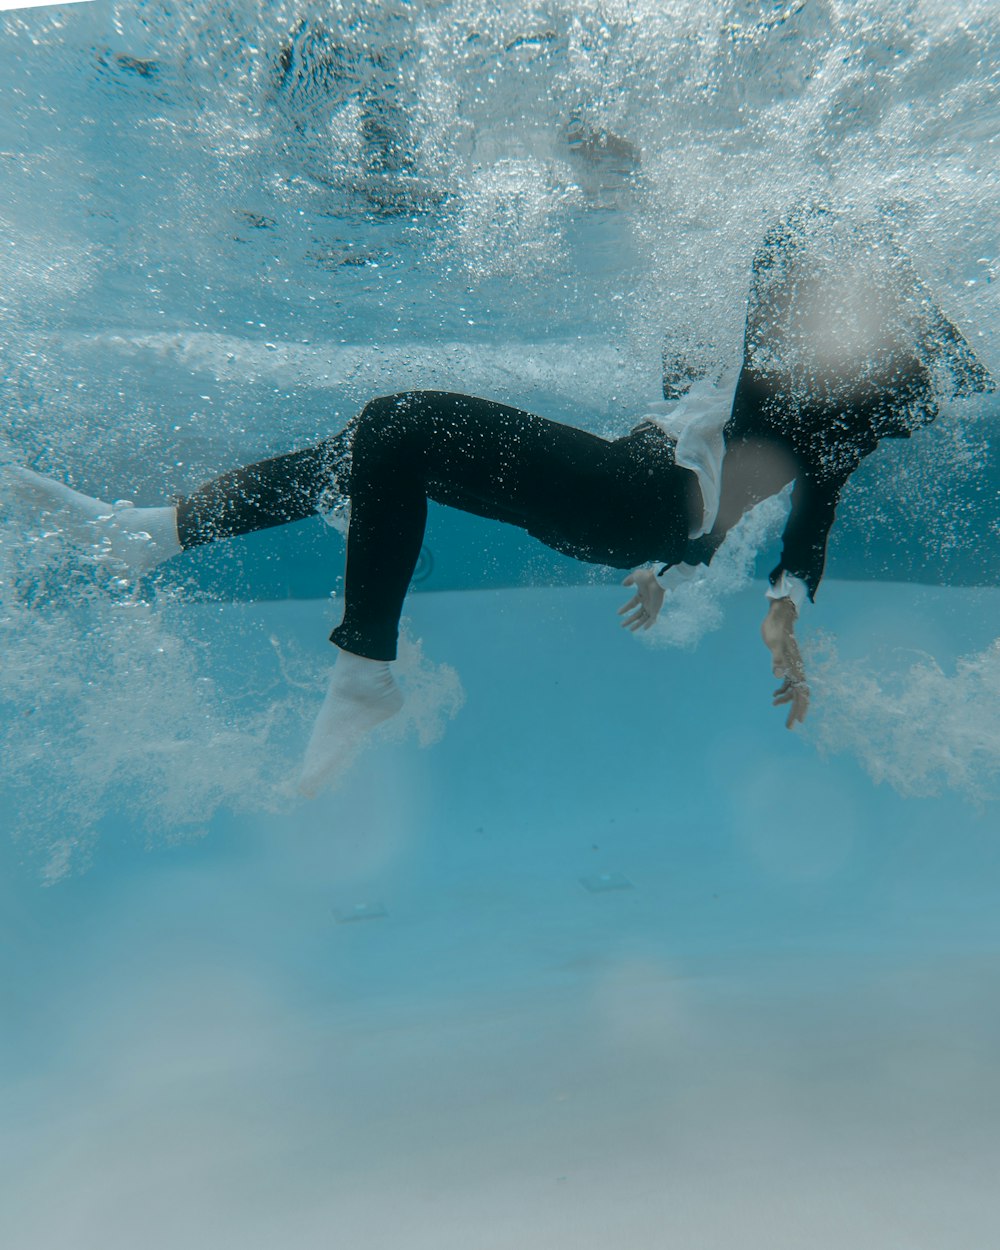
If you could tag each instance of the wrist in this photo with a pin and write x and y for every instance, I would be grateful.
(783, 610)
(788, 586)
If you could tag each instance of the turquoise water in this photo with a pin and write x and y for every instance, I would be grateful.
(588, 950)
(616, 959)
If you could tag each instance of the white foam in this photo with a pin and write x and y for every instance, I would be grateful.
(920, 726)
(695, 607)
(434, 693)
(116, 705)
(512, 216)
(112, 707)
(592, 372)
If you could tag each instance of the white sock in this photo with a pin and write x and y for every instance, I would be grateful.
(362, 694)
(140, 538)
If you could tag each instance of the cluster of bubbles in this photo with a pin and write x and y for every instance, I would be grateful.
(124, 710)
(938, 490)
(109, 711)
(911, 723)
(214, 196)
(471, 142)
(696, 607)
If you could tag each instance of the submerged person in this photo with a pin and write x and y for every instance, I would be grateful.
(843, 347)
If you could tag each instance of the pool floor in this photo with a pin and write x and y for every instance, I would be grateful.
(617, 962)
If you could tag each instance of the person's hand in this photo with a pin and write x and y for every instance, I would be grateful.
(644, 607)
(778, 632)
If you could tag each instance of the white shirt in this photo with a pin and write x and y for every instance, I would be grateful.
(696, 423)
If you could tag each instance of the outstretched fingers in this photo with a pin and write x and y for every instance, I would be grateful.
(641, 620)
(793, 691)
(643, 608)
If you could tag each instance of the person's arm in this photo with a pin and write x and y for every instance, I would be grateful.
(778, 632)
(804, 540)
(650, 585)
(644, 607)
(796, 577)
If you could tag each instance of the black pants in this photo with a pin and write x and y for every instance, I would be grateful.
(622, 503)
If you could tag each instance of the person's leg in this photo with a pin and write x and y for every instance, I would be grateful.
(618, 503)
(614, 503)
(576, 492)
(273, 492)
(139, 538)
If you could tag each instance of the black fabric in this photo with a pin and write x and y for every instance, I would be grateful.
(273, 492)
(622, 503)
(843, 347)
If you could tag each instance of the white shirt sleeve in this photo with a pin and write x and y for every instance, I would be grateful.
(675, 575)
(788, 586)
(696, 423)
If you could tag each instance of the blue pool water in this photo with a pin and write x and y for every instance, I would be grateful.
(616, 958)
(588, 950)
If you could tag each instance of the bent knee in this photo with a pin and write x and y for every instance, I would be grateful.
(397, 414)
(392, 425)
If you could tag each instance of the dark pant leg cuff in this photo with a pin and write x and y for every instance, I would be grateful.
(366, 644)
